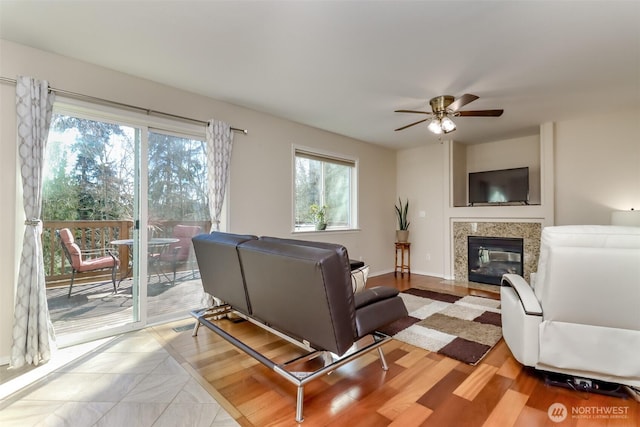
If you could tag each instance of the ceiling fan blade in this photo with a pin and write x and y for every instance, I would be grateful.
(412, 111)
(462, 101)
(480, 113)
(412, 124)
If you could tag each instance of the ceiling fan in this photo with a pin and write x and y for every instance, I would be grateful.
(444, 107)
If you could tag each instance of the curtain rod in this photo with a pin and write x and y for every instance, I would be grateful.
(120, 104)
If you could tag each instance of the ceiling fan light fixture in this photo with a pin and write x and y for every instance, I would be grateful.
(447, 125)
(435, 126)
(443, 109)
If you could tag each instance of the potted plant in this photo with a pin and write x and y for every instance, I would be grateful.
(319, 216)
(402, 234)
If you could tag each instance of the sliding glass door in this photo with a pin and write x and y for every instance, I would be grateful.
(129, 191)
(177, 210)
(89, 189)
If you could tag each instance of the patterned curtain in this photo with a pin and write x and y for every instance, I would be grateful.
(219, 145)
(32, 328)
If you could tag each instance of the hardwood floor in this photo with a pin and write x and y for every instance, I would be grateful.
(419, 389)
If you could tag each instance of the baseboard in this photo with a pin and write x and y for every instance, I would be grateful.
(379, 273)
(421, 273)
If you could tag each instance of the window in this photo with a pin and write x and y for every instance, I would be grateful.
(325, 183)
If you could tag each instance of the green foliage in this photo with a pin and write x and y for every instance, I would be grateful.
(401, 214)
(177, 178)
(318, 214)
(60, 198)
(307, 185)
(91, 168)
(94, 180)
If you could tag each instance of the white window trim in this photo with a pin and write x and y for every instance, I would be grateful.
(105, 113)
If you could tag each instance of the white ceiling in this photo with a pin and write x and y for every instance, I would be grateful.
(345, 66)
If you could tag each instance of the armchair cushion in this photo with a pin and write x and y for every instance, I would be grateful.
(91, 264)
(95, 259)
(180, 250)
(74, 250)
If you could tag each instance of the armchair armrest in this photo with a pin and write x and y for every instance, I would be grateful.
(113, 254)
(528, 299)
(93, 253)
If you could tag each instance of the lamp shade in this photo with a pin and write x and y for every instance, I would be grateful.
(435, 126)
(627, 218)
(447, 125)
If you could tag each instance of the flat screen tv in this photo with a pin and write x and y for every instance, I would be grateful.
(499, 186)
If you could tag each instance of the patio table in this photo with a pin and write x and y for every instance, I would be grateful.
(156, 245)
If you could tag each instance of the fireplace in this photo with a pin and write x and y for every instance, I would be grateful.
(491, 257)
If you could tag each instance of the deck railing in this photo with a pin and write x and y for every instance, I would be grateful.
(94, 235)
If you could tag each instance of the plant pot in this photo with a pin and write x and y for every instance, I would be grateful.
(321, 226)
(402, 236)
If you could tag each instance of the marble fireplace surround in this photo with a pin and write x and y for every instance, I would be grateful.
(528, 231)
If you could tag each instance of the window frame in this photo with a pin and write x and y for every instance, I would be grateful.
(328, 157)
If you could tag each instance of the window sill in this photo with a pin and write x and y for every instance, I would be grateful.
(328, 231)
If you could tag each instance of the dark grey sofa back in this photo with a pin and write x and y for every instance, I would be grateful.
(219, 267)
(302, 290)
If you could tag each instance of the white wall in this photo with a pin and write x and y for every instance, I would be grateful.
(261, 173)
(421, 179)
(597, 167)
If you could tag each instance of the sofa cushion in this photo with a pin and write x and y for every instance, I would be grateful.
(220, 269)
(302, 290)
(359, 279)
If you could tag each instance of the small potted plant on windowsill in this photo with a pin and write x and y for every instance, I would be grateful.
(402, 233)
(319, 216)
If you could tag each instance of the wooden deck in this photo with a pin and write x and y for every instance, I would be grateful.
(94, 306)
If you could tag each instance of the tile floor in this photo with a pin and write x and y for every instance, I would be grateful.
(129, 380)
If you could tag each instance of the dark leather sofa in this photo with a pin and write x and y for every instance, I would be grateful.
(300, 290)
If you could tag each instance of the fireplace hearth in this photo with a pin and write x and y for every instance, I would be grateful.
(491, 257)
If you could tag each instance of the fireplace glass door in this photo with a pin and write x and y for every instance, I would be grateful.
(491, 257)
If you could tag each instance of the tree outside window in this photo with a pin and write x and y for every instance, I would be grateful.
(89, 173)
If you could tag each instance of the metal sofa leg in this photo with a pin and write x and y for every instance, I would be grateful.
(195, 329)
(383, 360)
(299, 404)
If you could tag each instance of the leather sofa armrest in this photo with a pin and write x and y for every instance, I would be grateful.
(528, 299)
(373, 295)
(377, 307)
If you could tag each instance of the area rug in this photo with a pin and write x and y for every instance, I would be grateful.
(463, 328)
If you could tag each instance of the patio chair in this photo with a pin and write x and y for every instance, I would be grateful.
(180, 251)
(88, 260)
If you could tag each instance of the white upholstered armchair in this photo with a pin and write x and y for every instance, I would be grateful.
(581, 314)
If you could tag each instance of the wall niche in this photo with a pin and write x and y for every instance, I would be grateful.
(505, 154)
